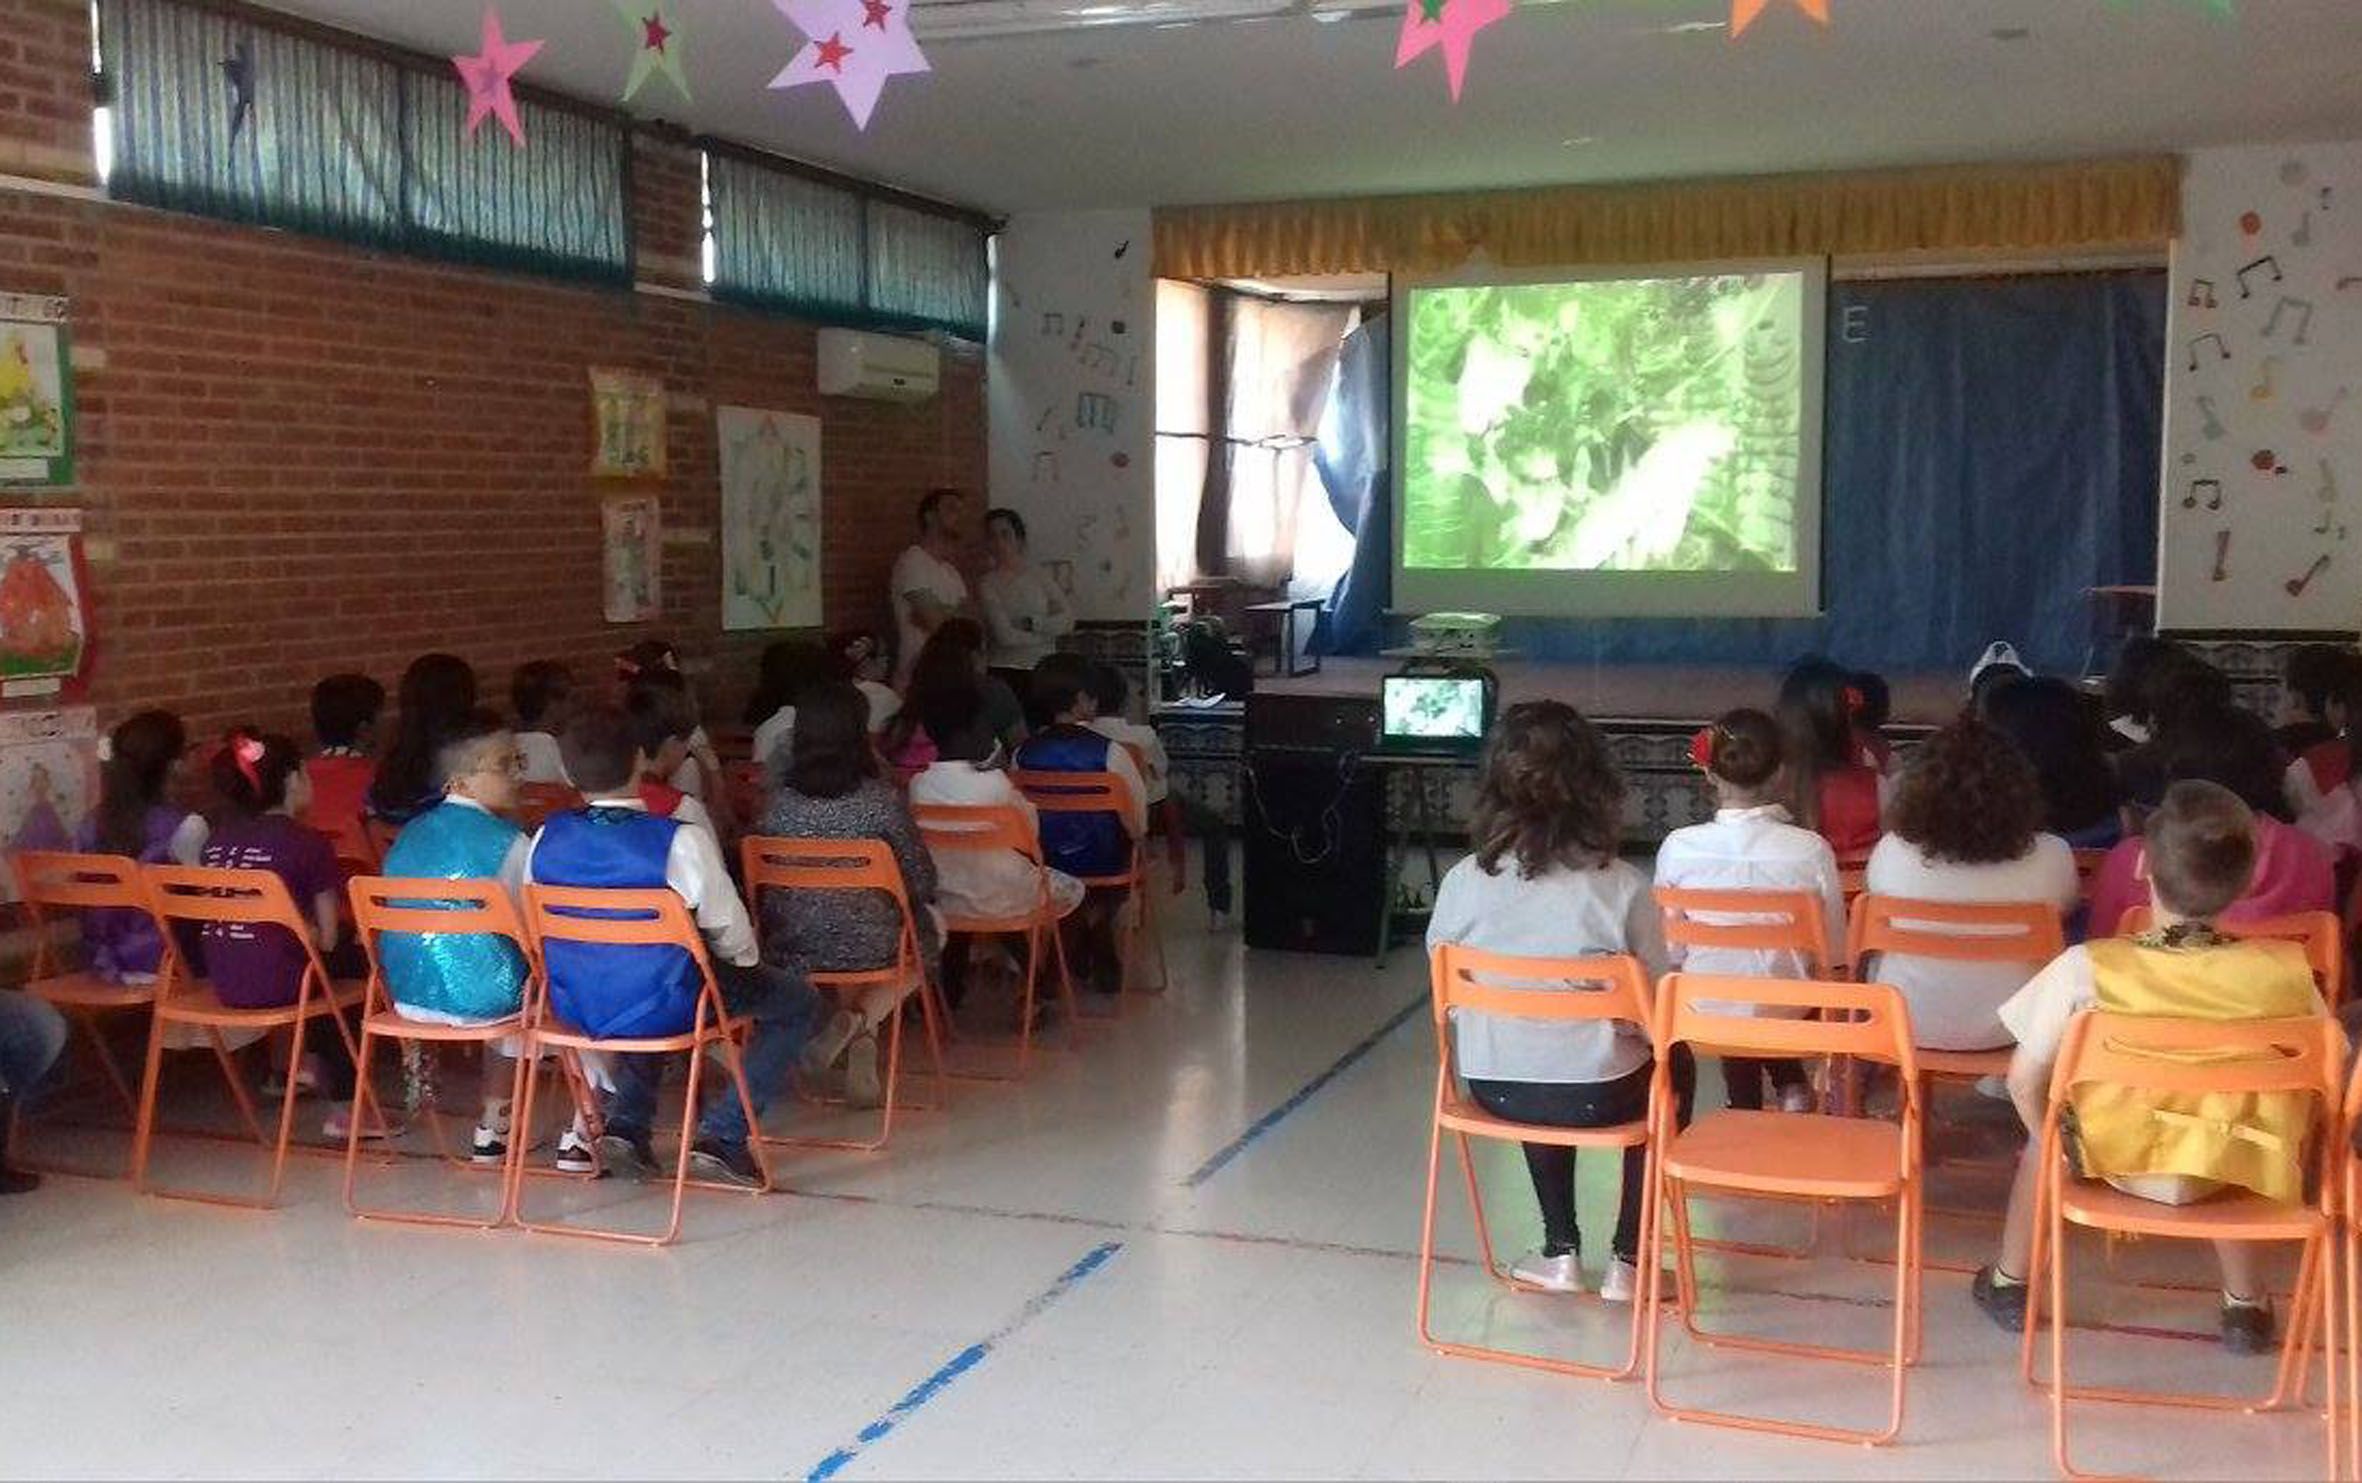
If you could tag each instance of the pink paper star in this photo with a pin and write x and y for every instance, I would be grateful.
(1452, 26)
(858, 73)
(486, 77)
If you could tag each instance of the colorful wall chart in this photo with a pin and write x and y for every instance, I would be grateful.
(632, 558)
(770, 518)
(48, 779)
(628, 424)
(45, 610)
(36, 391)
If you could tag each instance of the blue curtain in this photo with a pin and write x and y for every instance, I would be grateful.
(1352, 458)
(1991, 452)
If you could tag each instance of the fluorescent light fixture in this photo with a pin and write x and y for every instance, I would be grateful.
(959, 20)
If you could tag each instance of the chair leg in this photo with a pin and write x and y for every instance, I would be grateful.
(1071, 1005)
(96, 1036)
(1484, 1233)
(144, 1126)
(363, 1103)
(1427, 1233)
(237, 1083)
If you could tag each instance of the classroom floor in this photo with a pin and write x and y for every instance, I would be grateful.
(1186, 1252)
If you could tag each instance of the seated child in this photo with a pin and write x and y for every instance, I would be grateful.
(829, 788)
(460, 978)
(539, 691)
(1871, 720)
(1084, 844)
(2325, 766)
(345, 709)
(136, 818)
(2172, 1149)
(1752, 846)
(615, 842)
(2314, 677)
(1110, 693)
(1544, 881)
(663, 725)
(32, 1037)
(1832, 790)
(789, 668)
(699, 772)
(858, 655)
(437, 694)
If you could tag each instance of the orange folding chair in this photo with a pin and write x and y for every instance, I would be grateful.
(2349, 1166)
(627, 919)
(1562, 990)
(48, 882)
(854, 865)
(998, 828)
(1107, 793)
(257, 900)
(2252, 1057)
(537, 801)
(382, 905)
(2317, 932)
(1807, 1156)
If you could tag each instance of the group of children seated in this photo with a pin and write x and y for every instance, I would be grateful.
(2200, 805)
(647, 805)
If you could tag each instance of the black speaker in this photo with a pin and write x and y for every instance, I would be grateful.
(1315, 825)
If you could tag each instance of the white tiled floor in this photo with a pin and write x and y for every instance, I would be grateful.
(916, 1314)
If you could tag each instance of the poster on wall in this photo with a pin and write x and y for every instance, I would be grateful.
(633, 558)
(48, 780)
(770, 519)
(36, 391)
(45, 614)
(627, 422)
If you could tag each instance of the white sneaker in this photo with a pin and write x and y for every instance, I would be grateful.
(1621, 1284)
(489, 1146)
(1550, 1273)
(1995, 1087)
(1797, 1099)
(862, 1087)
(575, 1155)
(822, 1050)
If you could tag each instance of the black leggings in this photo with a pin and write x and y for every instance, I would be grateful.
(1743, 1077)
(1586, 1104)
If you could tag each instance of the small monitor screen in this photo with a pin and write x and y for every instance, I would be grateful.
(1444, 710)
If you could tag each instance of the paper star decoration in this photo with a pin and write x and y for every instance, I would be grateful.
(487, 79)
(656, 40)
(1450, 24)
(852, 45)
(1744, 12)
(238, 70)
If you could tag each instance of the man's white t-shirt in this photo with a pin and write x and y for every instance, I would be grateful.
(920, 570)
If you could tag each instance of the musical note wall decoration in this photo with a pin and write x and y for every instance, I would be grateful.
(2268, 462)
(2303, 309)
(2214, 492)
(2213, 429)
(1053, 325)
(2296, 585)
(2202, 294)
(1095, 412)
(2268, 260)
(2303, 235)
(2316, 420)
(2222, 349)
(1045, 467)
(2327, 492)
(2222, 557)
(2262, 390)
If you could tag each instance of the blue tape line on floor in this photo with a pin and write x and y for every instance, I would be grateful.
(960, 1363)
(1304, 1094)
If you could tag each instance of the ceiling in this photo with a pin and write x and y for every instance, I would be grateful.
(1582, 90)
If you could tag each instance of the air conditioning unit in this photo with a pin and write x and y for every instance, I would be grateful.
(878, 368)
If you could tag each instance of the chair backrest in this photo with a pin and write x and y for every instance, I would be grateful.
(616, 918)
(1756, 921)
(54, 878)
(1559, 989)
(1752, 1017)
(1958, 931)
(1076, 792)
(209, 895)
(2317, 932)
(770, 863)
(2150, 1054)
(384, 904)
(971, 826)
(537, 801)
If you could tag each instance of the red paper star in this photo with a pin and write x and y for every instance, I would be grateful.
(833, 52)
(874, 13)
(657, 35)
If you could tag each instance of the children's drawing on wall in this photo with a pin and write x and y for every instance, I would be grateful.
(44, 602)
(627, 422)
(36, 392)
(633, 560)
(770, 518)
(48, 779)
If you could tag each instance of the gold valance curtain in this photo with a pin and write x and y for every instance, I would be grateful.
(1999, 208)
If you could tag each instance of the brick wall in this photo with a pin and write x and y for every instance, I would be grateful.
(45, 89)
(300, 456)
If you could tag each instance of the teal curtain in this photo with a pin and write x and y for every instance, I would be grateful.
(831, 252)
(342, 143)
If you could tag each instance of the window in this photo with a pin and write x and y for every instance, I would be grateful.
(226, 114)
(831, 249)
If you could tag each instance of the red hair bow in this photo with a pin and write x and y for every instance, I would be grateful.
(1701, 749)
(246, 750)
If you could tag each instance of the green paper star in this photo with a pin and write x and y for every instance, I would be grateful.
(1431, 11)
(656, 41)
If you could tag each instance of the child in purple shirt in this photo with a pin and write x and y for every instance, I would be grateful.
(135, 817)
(262, 787)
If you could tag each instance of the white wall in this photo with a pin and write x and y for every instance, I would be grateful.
(2263, 408)
(1072, 394)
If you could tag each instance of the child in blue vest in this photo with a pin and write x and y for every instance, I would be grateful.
(1084, 845)
(615, 843)
(465, 978)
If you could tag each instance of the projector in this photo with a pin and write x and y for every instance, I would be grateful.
(1475, 635)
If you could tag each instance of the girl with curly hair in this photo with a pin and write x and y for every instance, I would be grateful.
(1544, 881)
(1967, 827)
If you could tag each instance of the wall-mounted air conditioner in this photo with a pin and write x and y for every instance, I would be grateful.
(881, 368)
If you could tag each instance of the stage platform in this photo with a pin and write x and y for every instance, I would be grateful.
(1683, 695)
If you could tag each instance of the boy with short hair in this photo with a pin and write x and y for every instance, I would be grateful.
(616, 842)
(2170, 1148)
(539, 692)
(1111, 693)
(663, 722)
(1084, 844)
(345, 710)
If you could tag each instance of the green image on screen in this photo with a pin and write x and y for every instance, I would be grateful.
(1639, 425)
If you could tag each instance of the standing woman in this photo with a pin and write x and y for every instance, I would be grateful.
(1024, 612)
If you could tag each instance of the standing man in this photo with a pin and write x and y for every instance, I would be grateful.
(927, 585)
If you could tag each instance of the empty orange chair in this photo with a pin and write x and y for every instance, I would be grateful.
(537, 801)
(622, 919)
(1806, 1156)
(2189, 1057)
(383, 905)
(953, 828)
(254, 898)
(2317, 932)
(49, 882)
(853, 865)
(1528, 989)
(1105, 793)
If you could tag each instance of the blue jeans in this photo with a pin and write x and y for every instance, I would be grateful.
(32, 1036)
(784, 1007)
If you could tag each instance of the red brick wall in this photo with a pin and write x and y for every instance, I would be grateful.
(45, 89)
(300, 457)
